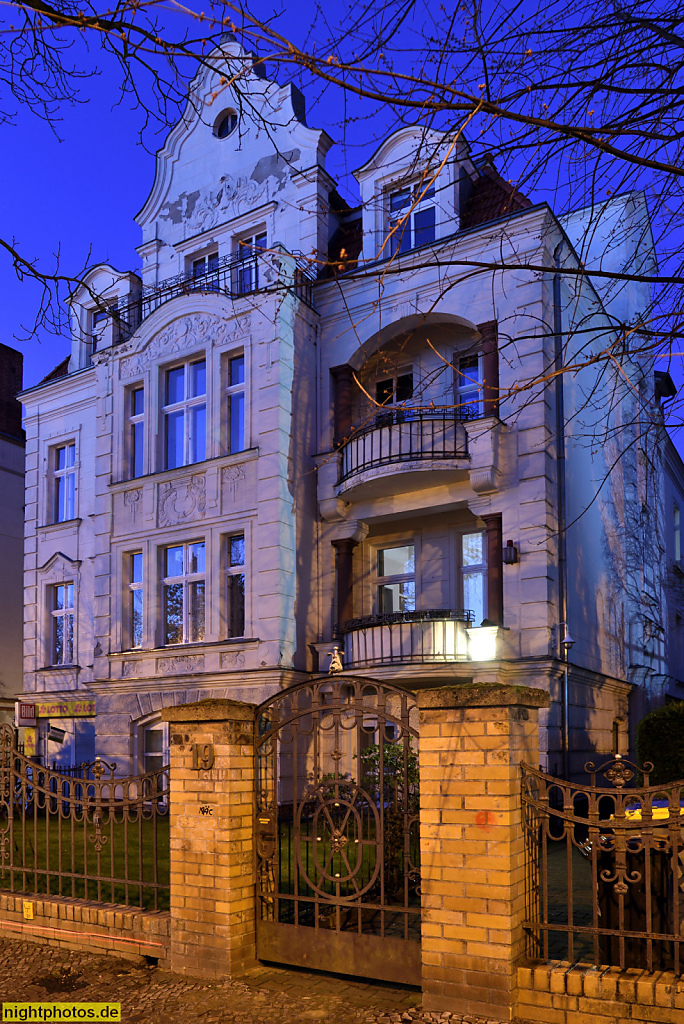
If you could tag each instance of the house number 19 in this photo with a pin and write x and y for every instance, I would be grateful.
(202, 756)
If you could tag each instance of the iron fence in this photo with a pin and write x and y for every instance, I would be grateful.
(404, 435)
(93, 837)
(605, 868)
(235, 275)
(437, 635)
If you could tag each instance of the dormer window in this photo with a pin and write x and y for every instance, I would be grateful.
(411, 218)
(99, 318)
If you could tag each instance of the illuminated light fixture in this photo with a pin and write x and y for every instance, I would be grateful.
(482, 642)
(510, 553)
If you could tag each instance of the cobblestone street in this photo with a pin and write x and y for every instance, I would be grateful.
(148, 995)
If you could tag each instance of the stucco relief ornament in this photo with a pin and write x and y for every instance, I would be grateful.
(232, 659)
(183, 334)
(181, 501)
(182, 663)
(229, 198)
(130, 669)
(132, 501)
(233, 476)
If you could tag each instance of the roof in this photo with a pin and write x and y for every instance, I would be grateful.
(60, 370)
(491, 197)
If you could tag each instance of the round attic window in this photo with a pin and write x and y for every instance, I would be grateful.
(225, 124)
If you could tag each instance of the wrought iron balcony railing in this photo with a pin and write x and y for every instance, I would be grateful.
(437, 635)
(230, 275)
(404, 435)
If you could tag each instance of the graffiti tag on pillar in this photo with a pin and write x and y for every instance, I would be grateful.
(203, 756)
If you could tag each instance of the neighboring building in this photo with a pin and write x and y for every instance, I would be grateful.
(240, 467)
(11, 530)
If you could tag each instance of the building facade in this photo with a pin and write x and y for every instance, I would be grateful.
(304, 427)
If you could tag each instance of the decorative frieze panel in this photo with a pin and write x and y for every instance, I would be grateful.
(180, 664)
(232, 660)
(182, 500)
(238, 487)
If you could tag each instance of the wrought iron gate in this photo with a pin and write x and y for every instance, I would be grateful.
(337, 805)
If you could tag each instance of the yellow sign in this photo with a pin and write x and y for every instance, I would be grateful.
(28, 910)
(65, 709)
(61, 1011)
(30, 742)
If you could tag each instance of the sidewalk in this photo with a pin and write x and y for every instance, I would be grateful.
(267, 995)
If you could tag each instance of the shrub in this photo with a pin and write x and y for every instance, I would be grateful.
(660, 739)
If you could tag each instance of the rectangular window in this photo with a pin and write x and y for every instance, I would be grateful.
(396, 580)
(205, 264)
(62, 614)
(411, 218)
(185, 414)
(474, 575)
(248, 258)
(468, 388)
(395, 390)
(135, 598)
(184, 593)
(155, 747)
(136, 428)
(235, 585)
(236, 403)
(676, 519)
(64, 482)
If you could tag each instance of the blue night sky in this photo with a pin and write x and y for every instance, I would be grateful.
(75, 189)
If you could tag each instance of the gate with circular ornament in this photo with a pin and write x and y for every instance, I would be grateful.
(337, 807)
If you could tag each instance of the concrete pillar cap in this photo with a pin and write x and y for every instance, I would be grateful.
(210, 710)
(482, 695)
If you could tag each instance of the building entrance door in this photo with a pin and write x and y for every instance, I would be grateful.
(337, 804)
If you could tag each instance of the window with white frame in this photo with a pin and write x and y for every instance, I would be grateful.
(63, 459)
(154, 746)
(248, 252)
(136, 431)
(468, 387)
(201, 265)
(135, 598)
(411, 217)
(61, 600)
(185, 414)
(99, 318)
(395, 389)
(236, 403)
(474, 575)
(183, 597)
(395, 587)
(235, 585)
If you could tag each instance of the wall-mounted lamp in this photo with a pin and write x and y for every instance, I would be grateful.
(510, 553)
(567, 642)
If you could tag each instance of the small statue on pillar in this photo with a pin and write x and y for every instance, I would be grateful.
(335, 661)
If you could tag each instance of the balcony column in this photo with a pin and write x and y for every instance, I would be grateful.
(349, 534)
(345, 594)
(490, 367)
(343, 380)
(494, 569)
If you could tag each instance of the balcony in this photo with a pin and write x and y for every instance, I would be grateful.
(401, 438)
(400, 638)
(234, 276)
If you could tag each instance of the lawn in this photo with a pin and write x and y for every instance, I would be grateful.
(59, 855)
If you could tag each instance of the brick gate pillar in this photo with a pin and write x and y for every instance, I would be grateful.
(472, 740)
(212, 814)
